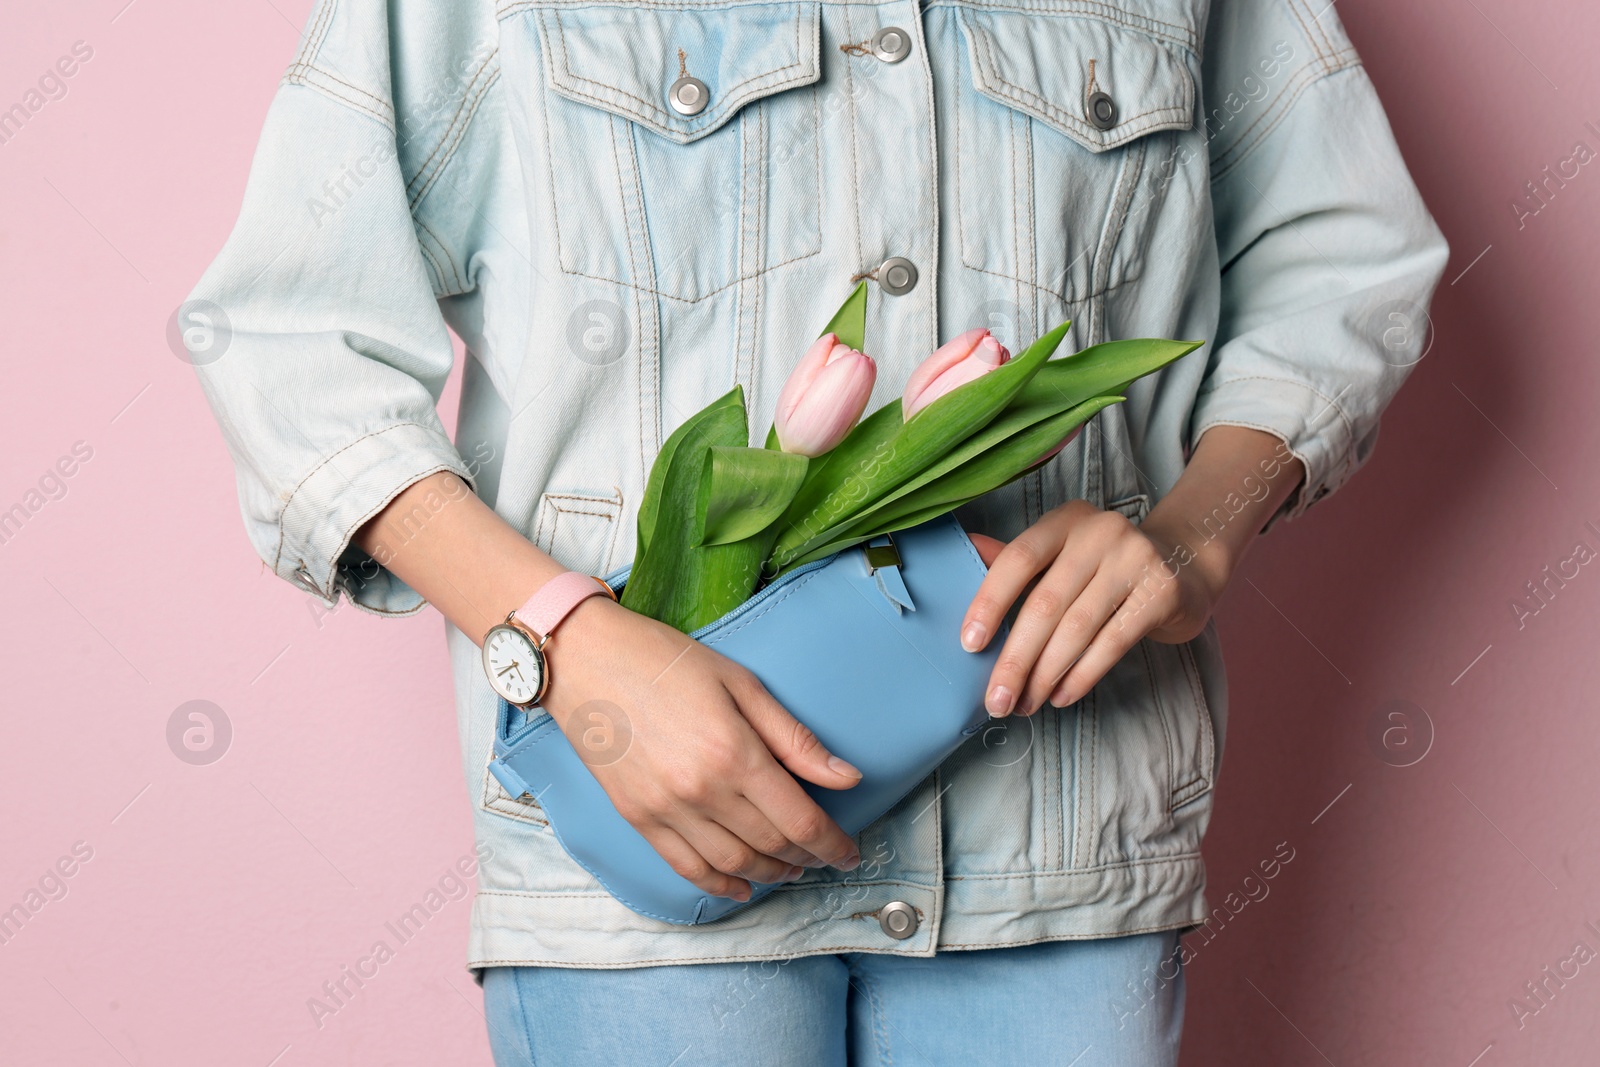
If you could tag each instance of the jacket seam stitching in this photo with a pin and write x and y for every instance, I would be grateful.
(606, 515)
(796, 887)
(641, 263)
(455, 271)
(1178, 34)
(615, 500)
(1120, 209)
(382, 106)
(1332, 402)
(456, 132)
(339, 98)
(1179, 925)
(444, 288)
(1161, 712)
(435, 267)
(329, 458)
(334, 585)
(1010, 90)
(313, 41)
(1150, 27)
(1191, 672)
(638, 287)
(1312, 37)
(473, 91)
(855, 146)
(654, 116)
(1241, 150)
(1266, 122)
(1078, 872)
(1066, 297)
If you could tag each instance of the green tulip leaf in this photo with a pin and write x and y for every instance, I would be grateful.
(650, 504)
(674, 579)
(849, 323)
(1100, 369)
(974, 450)
(984, 473)
(745, 490)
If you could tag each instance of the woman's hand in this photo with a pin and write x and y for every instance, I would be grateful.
(699, 765)
(1104, 584)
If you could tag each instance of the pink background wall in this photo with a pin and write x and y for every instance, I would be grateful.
(218, 898)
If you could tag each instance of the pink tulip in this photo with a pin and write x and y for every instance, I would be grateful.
(967, 358)
(824, 397)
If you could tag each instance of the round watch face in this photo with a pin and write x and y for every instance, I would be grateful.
(514, 664)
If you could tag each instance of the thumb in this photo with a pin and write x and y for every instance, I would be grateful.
(988, 548)
(790, 741)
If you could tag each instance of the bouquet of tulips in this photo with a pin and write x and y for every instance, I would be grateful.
(719, 518)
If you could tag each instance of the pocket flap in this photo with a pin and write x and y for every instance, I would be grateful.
(1040, 65)
(625, 59)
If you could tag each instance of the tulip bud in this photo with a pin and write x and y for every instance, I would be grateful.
(965, 359)
(824, 397)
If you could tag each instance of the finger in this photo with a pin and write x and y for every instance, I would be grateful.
(779, 797)
(1081, 625)
(1017, 564)
(789, 740)
(1054, 605)
(776, 794)
(732, 855)
(1127, 628)
(690, 864)
(747, 822)
(989, 548)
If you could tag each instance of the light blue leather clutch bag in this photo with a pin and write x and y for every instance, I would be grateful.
(863, 647)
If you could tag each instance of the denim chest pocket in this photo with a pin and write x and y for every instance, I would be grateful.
(1072, 120)
(683, 150)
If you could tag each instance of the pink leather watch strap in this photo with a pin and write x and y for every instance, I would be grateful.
(555, 599)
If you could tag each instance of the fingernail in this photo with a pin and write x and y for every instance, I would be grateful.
(846, 769)
(852, 863)
(972, 637)
(794, 872)
(1000, 701)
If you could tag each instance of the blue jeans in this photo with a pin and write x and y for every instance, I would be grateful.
(1114, 1002)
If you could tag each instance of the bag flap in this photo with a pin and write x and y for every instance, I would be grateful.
(625, 59)
(1041, 65)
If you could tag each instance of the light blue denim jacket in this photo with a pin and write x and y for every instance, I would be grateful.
(516, 172)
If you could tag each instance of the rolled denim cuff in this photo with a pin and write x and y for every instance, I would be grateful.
(345, 490)
(1310, 423)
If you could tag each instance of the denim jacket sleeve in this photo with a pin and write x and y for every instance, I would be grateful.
(1328, 255)
(330, 350)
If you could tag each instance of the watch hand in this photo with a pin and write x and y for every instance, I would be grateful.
(513, 667)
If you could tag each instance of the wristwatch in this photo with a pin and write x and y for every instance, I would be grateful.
(513, 651)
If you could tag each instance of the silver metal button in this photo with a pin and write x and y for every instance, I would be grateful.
(898, 919)
(891, 44)
(688, 96)
(897, 276)
(303, 579)
(1102, 110)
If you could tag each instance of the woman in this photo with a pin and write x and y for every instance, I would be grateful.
(623, 210)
